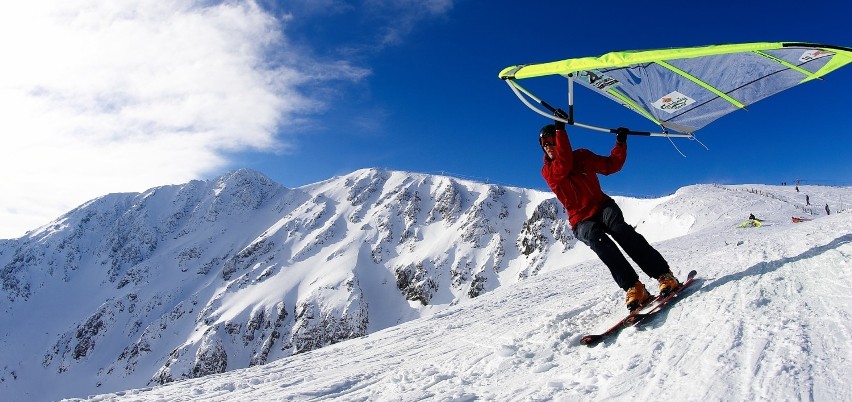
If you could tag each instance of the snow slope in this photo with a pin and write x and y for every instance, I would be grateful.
(769, 319)
(184, 281)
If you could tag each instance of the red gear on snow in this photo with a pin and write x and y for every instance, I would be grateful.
(572, 176)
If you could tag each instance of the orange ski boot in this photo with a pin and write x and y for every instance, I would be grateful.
(668, 283)
(637, 296)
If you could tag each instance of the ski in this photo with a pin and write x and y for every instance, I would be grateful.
(636, 319)
(593, 339)
(640, 314)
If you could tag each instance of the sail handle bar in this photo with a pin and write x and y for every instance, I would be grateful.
(521, 91)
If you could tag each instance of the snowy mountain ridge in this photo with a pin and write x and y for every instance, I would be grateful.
(189, 280)
(180, 282)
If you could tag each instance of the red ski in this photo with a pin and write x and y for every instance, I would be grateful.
(642, 313)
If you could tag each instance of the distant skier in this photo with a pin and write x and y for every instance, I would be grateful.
(827, 211)
(751, 222)
(572, 175)
(807, 199)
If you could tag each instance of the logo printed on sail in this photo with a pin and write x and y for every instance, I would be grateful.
(673, 102)
(814, 54)
(597, 79)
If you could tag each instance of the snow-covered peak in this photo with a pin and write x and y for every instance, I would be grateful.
(767, 320)
(185, 281)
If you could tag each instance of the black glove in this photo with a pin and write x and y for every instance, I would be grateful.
(621, 134)
(562, 115)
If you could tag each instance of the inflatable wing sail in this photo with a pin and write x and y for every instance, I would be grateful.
(684, 89)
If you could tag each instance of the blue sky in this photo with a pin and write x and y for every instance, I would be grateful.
(433, 103)
(102, 97)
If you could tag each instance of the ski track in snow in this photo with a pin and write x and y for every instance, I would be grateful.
(768, 319)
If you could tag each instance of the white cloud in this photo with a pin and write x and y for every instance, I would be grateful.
(401, 16)
(101, 96)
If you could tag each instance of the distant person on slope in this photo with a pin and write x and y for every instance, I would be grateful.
(572, 175)
(751, 222)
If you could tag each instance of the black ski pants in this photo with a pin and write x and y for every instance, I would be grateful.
(593, 232)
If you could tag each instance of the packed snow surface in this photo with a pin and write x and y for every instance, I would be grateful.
(769, 319)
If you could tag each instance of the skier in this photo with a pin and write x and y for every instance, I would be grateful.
(572, 175)
(827, 211)
(751, 222)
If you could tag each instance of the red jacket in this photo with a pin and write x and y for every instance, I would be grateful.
(572, 176)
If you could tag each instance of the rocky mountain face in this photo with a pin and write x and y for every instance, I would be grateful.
(183, 281)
